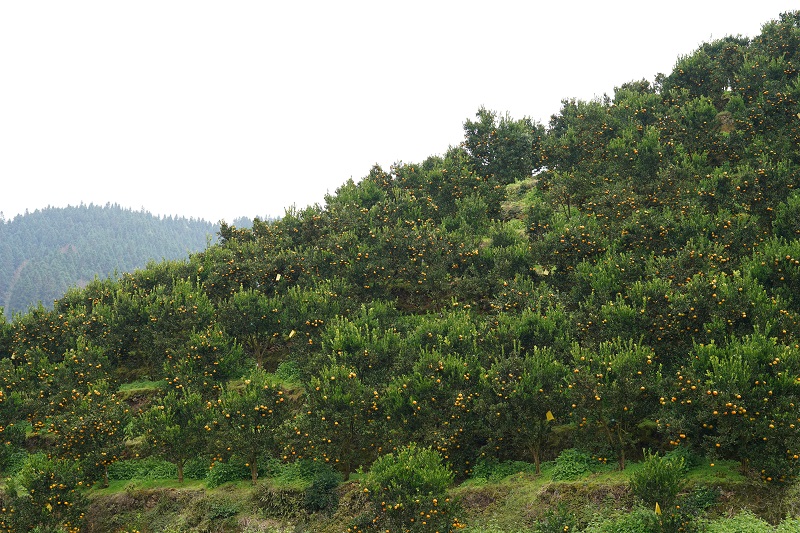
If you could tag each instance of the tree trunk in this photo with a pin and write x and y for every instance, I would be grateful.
(347, 469)
(180, 470)
(537, 460)
(253, 471)
(105, 475)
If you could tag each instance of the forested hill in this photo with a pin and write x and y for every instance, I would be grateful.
(625, 277)
(45, 252)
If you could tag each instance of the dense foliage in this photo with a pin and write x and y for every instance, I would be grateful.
(45, 252)
(625, 277)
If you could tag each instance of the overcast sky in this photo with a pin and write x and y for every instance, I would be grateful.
(217, 110)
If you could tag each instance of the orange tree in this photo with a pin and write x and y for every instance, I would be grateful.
(434, 405)
(175, 427)
(89, 429)
(408, 491)
(340, 419)
(45, 330)
(12, 431)
(360, 342)
(52, 389)
(776, 264)
(527, 397)
(208, 358)
(740, 401)
(253, 319)
(614, 389)
(44, 496)
(249, 415)
(174, 312)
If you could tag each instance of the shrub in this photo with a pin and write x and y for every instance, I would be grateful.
(283, 502)
(572, 464)
(698, 500)
(320, 495)
(288, 372)
(557, 521)
(12, 452)
(147, 468)
(233, 470)
(659, 480)
(196, 468)
(690, 458)
(300, 473)
(790, 525)
(639, 520)
(408, 491)
(13, 460)
(493, 470)
(222, 509)
(745, 522)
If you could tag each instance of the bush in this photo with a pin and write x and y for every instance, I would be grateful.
(222, 509)
(697, 501)
(233, 470)
(790, 525)
(147, 468)
(283, 502)
(12, 459)
(557, 521)
(659, 480)
(296, 473)
(12, 452)
(745, 522)
(639, 520)
(196, 468)
(408, 491)
(493, 470)
(320, 495)
(690, 458)
(573, 464)
(288, 372)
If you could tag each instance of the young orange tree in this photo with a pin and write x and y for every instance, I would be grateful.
(249, 416)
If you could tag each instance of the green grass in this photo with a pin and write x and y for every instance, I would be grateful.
(123, 485)
(510, 503)
(139, 389)
(519, 501)
(141, 386)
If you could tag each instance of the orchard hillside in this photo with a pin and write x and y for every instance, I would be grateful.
(623, 278)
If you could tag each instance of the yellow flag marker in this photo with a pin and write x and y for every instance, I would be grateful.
(278, 277)
(549, 416)
(291, 334)
(658, 509)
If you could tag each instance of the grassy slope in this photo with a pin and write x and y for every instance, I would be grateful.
(513, 504)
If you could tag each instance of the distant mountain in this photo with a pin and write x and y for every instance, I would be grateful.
(45, 252)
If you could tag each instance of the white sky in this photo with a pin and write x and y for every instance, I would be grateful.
(217, 110)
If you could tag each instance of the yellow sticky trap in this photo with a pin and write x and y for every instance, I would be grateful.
(278, 277)
(549, 416)
(658, 509)
(49, 507)
(291, 334)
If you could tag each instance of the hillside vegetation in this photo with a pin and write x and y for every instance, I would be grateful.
(44, 253)
(589, 325)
